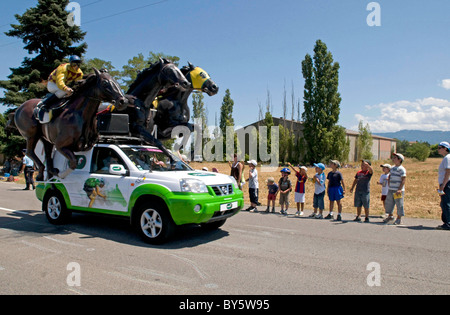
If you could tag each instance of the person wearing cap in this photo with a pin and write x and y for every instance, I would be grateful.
(336, 189)
(299, 195)
(253, 185)
(362, 191)
(396, 192)
(285, 187)
(272, 193)
(319, 191)
(28, 170)
(57, 84)
(384, 182)
(444, 184)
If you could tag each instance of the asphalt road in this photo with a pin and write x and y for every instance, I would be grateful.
(253, 253)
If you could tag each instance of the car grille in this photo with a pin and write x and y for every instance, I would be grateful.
(222, 190)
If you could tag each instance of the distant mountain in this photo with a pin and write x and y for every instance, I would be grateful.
(432, 137)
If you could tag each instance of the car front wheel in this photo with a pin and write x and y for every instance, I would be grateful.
(154, 224)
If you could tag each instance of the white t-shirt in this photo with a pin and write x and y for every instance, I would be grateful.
(445, 165)
(384, 184)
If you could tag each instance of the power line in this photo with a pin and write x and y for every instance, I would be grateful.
(100, 18)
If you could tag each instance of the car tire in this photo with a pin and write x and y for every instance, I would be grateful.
(154, 223)
(55, 208)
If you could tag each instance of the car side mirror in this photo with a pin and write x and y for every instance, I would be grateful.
(118, 169)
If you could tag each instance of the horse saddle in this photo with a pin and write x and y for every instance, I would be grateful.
(49, 108)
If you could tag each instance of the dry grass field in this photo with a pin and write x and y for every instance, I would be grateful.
(421, 198)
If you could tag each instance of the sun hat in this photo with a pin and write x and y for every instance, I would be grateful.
(252, 162)
(320, 165)
(386, 165)
(304, 168)
(445, 144)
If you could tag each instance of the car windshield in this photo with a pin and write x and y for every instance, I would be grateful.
(153, 159)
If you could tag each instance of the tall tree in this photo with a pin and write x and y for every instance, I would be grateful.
(321, 100)
(48, 39)
(365, 141)
(226, 119)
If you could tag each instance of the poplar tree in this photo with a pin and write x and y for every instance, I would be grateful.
(48, 39)
(321, 102)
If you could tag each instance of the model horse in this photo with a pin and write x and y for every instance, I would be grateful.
(144, 90)
(75, 128)
(172, 107)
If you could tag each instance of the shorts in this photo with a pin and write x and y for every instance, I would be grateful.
(391, 202)
(271, 197)
(284, 199)
(253, 194)
(318, 201)
(299, 197)
(335, 193)
(362, 199)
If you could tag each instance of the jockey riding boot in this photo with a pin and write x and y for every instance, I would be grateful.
(43, 114)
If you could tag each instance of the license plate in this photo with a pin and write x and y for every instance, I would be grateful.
(228, 206)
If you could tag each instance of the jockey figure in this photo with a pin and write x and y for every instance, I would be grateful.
(65, 74)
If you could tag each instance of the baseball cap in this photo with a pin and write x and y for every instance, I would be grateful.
(252, 162)
(386, 165)
(399, 155)
(445, 144)
(320, 165)
(367, 161)
(336, 162)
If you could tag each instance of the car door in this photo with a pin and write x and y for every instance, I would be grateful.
(106, 191)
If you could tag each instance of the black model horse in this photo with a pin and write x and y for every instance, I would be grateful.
(75, 128)
(144, 90)
(172, 107)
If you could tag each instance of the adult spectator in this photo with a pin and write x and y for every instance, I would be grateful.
(444, 184)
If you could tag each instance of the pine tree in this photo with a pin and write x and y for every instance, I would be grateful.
(321, 100)
(48, 39)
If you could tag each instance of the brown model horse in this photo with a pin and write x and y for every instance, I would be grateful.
(75, 129)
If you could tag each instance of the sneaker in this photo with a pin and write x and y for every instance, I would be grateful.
(366, 220)
(273, 210)
(329, 216)
(301, 213)
(388, 219)
(297, 213)
(319, 216)
(312, 215)
(357, 219)
(255, 209)
(339, 218)
(398, 222)
(267, 209)
(443, 227)
(249, 208)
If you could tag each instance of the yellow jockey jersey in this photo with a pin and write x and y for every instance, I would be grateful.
(65, 74)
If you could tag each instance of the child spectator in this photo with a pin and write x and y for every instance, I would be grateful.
(336, 189)
(253, 185)
(272, 195)
(299, 196)
(396, 192)
(362, 191)
(285, 187)
(384, 182)
(319, 191)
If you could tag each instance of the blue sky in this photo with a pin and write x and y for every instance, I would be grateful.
(393, 76)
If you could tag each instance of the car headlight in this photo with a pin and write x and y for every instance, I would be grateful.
(193, 185)
(233, 180)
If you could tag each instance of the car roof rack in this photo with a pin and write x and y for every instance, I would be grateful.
(120, 139)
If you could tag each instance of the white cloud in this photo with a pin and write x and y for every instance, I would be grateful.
(423, 114)
(446, 84)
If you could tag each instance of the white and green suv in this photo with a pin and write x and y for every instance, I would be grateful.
(144, 185)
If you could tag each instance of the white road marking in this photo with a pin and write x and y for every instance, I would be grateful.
(15, 211)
